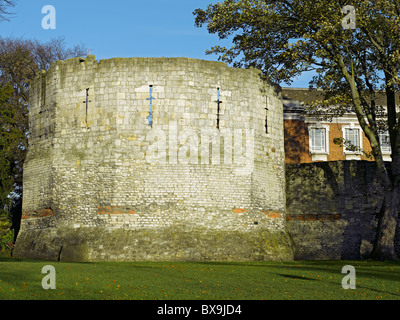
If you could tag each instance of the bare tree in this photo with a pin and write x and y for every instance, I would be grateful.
(47, 52)
(5, 5)
(20, 61)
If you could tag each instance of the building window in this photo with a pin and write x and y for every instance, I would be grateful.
(352, 140)
(318, 142)
(384, 141)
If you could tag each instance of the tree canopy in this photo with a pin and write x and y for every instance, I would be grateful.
(9, 136)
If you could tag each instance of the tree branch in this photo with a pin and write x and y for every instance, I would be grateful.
(4, 4)
(373, 139)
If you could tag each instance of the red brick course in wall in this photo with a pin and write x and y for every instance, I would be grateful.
(313, 217)
(38, 214)
(114, 210)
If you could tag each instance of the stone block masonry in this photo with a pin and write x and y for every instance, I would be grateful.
(101, 183)
(332, 209)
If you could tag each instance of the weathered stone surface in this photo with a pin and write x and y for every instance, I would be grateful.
(101, 184)
(333, 208)
(171, 243)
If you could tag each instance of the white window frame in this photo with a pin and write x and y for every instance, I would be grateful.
(360, 138)
(385, 150)
(310, 145)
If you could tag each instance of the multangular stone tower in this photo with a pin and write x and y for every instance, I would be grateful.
(153, 159)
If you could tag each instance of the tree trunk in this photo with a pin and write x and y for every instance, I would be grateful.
(384, 240)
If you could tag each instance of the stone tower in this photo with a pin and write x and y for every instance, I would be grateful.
(153, 159)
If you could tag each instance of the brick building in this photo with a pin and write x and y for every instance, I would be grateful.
(308, 139)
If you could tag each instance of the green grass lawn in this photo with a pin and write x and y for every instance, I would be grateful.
(22, 279)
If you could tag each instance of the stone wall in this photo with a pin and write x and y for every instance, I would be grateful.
(332, 209)
(100, 183)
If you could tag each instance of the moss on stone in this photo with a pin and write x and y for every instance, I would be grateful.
(171, 243)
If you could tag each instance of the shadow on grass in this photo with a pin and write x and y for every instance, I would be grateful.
(296, 277)
(389, 270)
(379, 291)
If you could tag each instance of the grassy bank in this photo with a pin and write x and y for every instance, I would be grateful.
(309, 280)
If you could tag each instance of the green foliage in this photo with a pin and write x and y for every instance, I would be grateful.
(6, 235)
(20, 61)
(9, 137)
(285, 38)
(341, 142)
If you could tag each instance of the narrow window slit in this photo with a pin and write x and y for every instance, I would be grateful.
(266, 116)
(150, 117)
(87, 104)
(218, 107)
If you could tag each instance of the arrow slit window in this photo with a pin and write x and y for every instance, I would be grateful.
(86, 102)
(218, 101)
(266, 116)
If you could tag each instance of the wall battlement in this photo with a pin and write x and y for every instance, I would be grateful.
(204, 181)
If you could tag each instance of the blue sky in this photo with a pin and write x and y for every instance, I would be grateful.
(121, 28)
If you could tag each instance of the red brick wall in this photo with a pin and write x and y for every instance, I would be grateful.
(297, 142)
